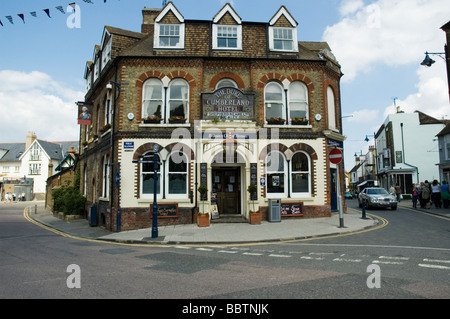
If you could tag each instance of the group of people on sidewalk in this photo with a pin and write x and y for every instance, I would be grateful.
(427, 194)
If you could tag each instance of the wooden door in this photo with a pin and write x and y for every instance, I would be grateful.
(227, 188)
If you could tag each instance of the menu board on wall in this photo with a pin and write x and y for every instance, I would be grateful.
(292, 209)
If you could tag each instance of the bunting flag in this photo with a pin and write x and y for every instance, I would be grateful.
(22, 17)
(60, 8)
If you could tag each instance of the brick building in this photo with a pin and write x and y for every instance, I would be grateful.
(229, 103)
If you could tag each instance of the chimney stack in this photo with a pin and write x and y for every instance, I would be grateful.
(31, 137)
(148, 22)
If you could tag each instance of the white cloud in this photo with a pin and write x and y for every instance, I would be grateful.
(350, 6)
(432, 94)
(35, 102)
(386, 31)
(364, 116)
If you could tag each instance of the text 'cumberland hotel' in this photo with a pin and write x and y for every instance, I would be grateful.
(227, 103)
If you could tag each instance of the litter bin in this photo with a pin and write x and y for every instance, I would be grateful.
(274, 210)
(92, 216)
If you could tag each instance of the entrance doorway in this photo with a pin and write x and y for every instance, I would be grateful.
(226, 188)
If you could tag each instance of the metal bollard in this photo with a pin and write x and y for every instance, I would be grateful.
(363, 209)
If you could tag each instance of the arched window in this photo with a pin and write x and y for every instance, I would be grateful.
(274, 101)
(148, 178)
(177, 175)
(298, 100)
(276, 174)
(152, 99)
(226, 83)
(178, 99)
(331, 108)
(300, 174)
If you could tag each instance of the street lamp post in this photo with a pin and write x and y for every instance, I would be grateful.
(443, 55)
(153, 159)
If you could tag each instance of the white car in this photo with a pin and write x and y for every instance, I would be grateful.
(377, 197)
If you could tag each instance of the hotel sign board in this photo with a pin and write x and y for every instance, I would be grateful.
(228, 104)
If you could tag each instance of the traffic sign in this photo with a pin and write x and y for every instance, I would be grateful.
(336, 156)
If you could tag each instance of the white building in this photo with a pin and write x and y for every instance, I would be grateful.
(407, 150)
(30, 160)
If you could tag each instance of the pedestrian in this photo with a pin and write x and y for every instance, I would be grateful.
(415, 196)
(426, 194)
(398, 192)
(436, 194)
(392, 190)
(444, 194)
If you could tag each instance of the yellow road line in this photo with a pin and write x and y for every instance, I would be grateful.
(55, 231)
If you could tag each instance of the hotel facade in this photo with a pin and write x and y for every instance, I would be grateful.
(224, 103)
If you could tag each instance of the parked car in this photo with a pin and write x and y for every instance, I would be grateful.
(377, 197)
(349, 195)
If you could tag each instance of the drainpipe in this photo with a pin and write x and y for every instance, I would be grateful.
(404, 157)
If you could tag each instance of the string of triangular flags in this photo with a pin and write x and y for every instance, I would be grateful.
(46, 10)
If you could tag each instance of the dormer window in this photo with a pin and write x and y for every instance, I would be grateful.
(283, 32)
(283, 39)
(169, 35)
(169, 29)
(227, 30)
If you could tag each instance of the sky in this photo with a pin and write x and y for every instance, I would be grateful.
(379, 44)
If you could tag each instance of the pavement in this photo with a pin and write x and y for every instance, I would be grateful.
(220, 233)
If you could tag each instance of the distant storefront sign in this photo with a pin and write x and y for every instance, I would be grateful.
(228, 104)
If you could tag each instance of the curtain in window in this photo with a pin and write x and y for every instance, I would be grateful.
(274, 104)
(178, 98)
(152, 98)
(298, 100)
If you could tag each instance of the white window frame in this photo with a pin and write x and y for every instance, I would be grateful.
(291, 169)
(108, 112)
(105, 177)
(184, 99)
(106, 53)
(292, 100)
(167, 174)
(294, 40)
(216, 28)
(284, 172)
(35, 169)
(221, 83)
(160, 182)
(35, 153)
(269, 102)
(148, 82)
(157, 41)
(331, 103)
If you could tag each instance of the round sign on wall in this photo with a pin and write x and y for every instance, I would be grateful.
(336, 156)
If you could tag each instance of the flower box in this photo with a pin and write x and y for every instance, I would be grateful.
(181, 121)
(276, 121)
(299, 122)
(152, 121)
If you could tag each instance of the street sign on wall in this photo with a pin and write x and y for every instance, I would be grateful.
(336, 156)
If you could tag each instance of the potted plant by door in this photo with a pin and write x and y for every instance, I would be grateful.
(254, 216)
(203, 218)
